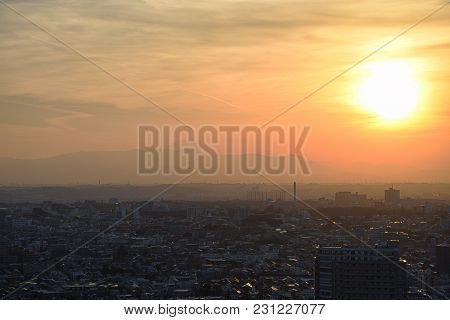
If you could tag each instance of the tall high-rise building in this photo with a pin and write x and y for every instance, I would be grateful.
(391, 196)
(359, 273)
(443, 258)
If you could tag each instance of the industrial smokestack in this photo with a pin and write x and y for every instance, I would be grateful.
(295, 191)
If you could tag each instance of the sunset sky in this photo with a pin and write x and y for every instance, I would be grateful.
(223, 62)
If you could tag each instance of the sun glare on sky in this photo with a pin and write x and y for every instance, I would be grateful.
(390, 91)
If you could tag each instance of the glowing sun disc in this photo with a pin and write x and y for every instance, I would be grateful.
(391, 92)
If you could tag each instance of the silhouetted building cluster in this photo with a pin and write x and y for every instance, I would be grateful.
(344, 198)
(392, 196)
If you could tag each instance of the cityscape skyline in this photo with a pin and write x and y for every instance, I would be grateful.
(225, 150)
(276, 247)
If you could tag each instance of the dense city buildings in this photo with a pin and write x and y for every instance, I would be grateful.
(234, 249)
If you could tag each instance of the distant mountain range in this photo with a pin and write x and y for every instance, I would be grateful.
(120, 167)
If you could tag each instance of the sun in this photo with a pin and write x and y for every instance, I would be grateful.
(391, 91)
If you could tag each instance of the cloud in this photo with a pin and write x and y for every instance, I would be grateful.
(235, 60)
(32, 111)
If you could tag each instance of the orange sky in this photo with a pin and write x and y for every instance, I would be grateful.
(220, 62)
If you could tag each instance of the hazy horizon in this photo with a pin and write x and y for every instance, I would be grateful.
(119, 167)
